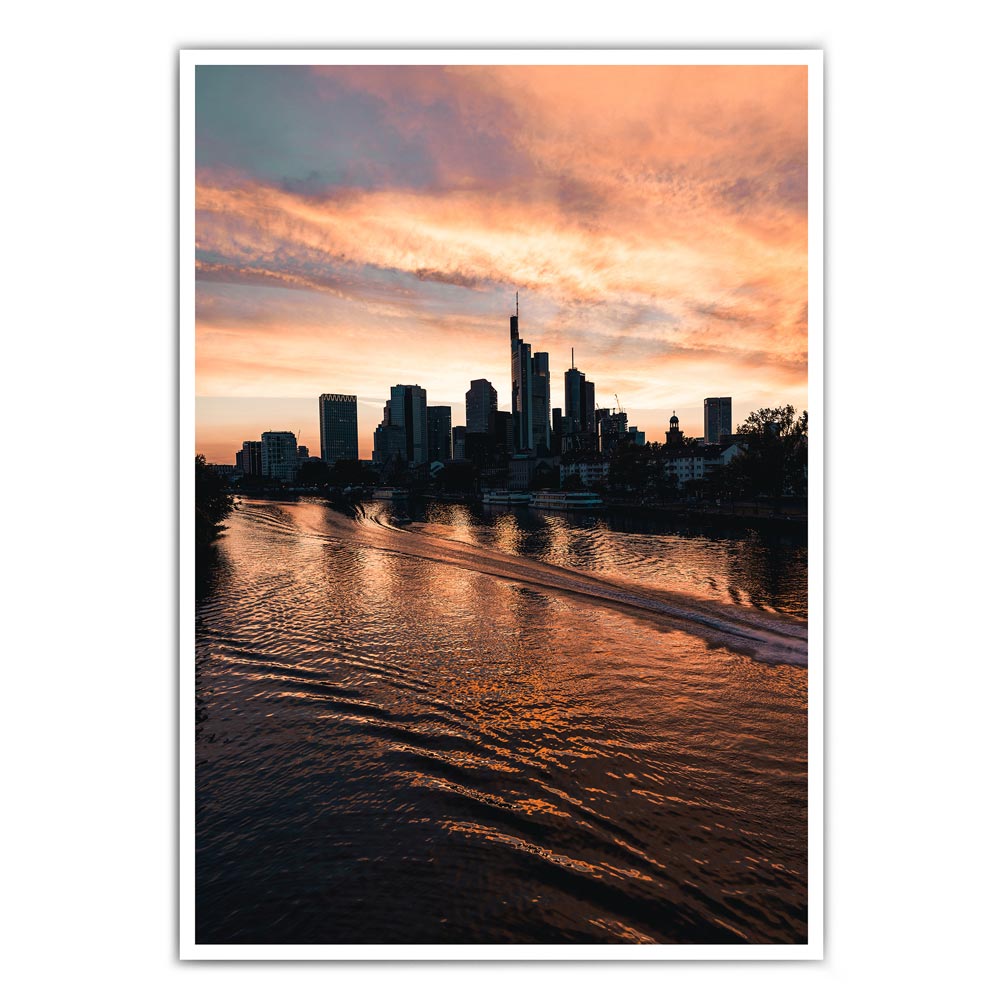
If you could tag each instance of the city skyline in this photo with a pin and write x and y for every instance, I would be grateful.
(475, 181)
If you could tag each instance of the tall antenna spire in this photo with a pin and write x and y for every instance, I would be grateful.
(572, 357)
(517, 308)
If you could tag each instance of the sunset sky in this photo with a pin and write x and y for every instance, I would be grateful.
(359, 227)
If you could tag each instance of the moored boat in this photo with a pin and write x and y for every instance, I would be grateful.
(506, 498)
(574, 500)
(390, 493)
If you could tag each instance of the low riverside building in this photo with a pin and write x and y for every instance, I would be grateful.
(526, 472)
(522, 470)
(227, 472)
(592, 472)
(697, 461)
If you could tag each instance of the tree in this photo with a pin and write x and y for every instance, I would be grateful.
(774, 459)
(212, 503)
(634, 468)
(351, 472)
(545, 478)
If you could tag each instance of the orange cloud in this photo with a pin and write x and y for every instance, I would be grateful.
(654, 216)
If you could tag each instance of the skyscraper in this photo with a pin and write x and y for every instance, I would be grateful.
(480, 402)
(578, 414)
(541, 402)
(613, 429)
(338, 427)
(557, 430)
(572, 421)
(439, 433)
(279, 456)
(502, 431)
(718, 418)
(589, 423)
(403, 431)
(520, 385)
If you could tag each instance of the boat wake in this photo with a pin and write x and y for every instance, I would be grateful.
(765, 636)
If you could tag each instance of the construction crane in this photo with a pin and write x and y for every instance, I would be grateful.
(619, 404)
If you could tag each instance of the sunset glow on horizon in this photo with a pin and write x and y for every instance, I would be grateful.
(359, 227)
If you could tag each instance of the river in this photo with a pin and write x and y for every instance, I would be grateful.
(499, 727)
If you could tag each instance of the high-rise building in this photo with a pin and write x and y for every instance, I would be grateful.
(637, 436)
(458, 443)
(572, 421)
(613, 429)
(502, 431)
(589, 423)
(338, 427)
(541, 402)
(557, 430)
(480, 402)
(279, 456)
(718, 418)
(520, 385)
(248, 459)
(403, 431)
(439, 433)
(578, 414)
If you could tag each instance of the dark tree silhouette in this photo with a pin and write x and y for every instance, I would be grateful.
(212, 503)
(775, 454)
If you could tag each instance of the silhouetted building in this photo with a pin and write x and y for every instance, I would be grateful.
(402, 434)
(589, 424)
(521, 472)
(591, 472)
(696, 461)
(502, 430)
(480, 449)
(557, 431)
(458, 443)
(674, 436)
(718, 418)
(520, 385)
(540, 402)
(248, 459)
(573, 380)
(439, 433)
(637, 436)
(480, 402)
(279, 456)
(579, 425)
(338, 427)
(613, 429)
(578, 415)
(303, 451)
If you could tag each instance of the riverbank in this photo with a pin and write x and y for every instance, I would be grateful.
(790, 513)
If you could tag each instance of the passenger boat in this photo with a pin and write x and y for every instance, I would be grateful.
(390, 493)
(549, 500)
(506, 498)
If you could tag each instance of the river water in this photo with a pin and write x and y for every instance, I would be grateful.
(499, 727)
